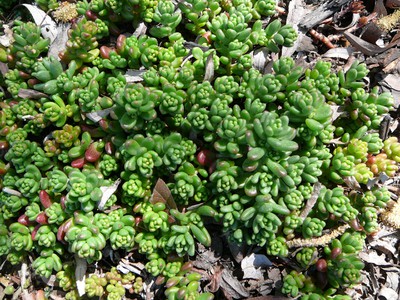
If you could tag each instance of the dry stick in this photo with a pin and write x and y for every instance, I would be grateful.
(24, 275)
(318, 241)
(311, 202)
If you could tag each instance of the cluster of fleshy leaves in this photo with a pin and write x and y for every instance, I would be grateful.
(83, 145)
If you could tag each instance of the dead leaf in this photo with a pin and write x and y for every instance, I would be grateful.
(59, 43)
(134, 75)
(209, 73)
(381, 178)
(80, 274)
(296, 12)
(365, 47)
(252, 265)
(322, 12)
(140, 30)
(96, 116)
(7, 38)
(48, 27)
(57, 295)
(343, 53)
(392, 81)
(275, 274)
(125, 266)
(237, 251)
(3, 68)
(351, 182)
(31, 94)
(215, 280)
(260, 59)
(337, 112)
(384, 247)
(387, 293)
(392, 280)
(374, 258)
(108, 191)
(231, 286)
(162, 193)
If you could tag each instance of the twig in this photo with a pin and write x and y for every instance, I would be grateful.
(311, 202)
(322, 38)
(318, 241)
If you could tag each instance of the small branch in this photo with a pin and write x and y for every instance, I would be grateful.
(318, 241)
(311, 202)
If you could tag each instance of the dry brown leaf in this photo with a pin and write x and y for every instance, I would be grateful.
(237, 251)
(251, 266)
(125, 266)
(134, 75)
(392, 81)
(108, 191)
(365, 47)
(374, 258)
(343, 53)
(392, 280)
(57, 295)
(387, 293)
(7, 38)
(161, 193)
(59, 43)
(260, 59)
(3, 68)
(31, 94)
(209, 73)
(231, 286)
(215, 280)
(80, 274)
(296, 12)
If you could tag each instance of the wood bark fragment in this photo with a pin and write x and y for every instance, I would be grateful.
(325, 10)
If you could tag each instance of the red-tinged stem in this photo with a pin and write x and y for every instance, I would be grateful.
(91, 153)
(105, 52)
(34, 231)
(42, 218)
(121, 42)
(322, 265)
(205, 157)
(62, 201)
(62, 230)
(335, 252)
(187, 266)
(91, 15)
(23, 219)
(160, 280)
(78, 163)
(24, 75)
(356, 225)
(45, 199)
(109, 148)
(104, 124)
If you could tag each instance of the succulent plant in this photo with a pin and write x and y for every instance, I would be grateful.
(258, 152)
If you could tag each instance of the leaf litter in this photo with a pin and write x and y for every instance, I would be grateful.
(241, 272)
